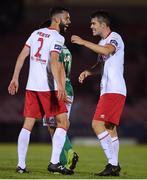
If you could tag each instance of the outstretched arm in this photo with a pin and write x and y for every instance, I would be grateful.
(14, 84)
(104, 50)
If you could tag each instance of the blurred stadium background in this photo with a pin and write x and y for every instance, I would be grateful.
(18, 18)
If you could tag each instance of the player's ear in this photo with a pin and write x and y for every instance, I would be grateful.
(56, 19)
(103, 25)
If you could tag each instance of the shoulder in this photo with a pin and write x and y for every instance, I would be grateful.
(115, 35)
(60, 37)
(32, 35)
(55, 34)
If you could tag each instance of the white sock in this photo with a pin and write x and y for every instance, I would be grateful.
(23, 141)
(106, 143)
(58, 141)
(115, 144)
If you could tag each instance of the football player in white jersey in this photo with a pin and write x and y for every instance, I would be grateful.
(68, 156)
(45, 90)
(110, 52)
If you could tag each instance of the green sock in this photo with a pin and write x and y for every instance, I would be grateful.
(67, 146)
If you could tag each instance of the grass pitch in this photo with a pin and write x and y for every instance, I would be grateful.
(133, 160)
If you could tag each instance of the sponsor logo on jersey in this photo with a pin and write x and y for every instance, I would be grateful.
(42, 61)
(58, 47)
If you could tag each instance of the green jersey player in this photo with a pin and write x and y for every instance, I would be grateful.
(66, 58)
(68, 157)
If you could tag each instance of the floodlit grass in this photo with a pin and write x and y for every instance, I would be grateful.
(133, 160)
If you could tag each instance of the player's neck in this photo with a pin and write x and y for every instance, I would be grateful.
(54, 26)
(106, 33)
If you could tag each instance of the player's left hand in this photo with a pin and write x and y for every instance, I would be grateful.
(83, 76)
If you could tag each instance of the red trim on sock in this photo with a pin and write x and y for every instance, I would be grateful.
(115, 140)
(104, 137)
(27, 129)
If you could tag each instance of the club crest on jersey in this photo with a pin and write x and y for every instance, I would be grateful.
(58, 47)
(114, 42)
(66, 58)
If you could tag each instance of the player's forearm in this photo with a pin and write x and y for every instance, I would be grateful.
(18, 67)
(63, 75)
(57, 72)
(96, 48)
(91, 72)
(95, 69)
(20, 61)
(104, 50)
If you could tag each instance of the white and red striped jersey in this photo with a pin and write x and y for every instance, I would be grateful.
(112, 78)
(41, 43)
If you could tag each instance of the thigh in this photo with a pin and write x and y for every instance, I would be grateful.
(50, 103)
(32, 106)
(51, 121)
(109, 108)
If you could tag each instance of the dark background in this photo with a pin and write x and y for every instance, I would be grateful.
(19, 18)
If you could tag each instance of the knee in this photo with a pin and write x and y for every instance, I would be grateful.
(109, 126)
(98, 126)
(67, 124)
(29, 123)
(93, 124)
(62, 121)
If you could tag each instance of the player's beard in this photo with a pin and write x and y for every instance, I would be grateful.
(63, 28)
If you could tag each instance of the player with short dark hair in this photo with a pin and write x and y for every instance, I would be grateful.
(110, 51)
(45, 90)
(68, 156)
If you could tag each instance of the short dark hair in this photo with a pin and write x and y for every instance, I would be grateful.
(53, 11)
(102, 16)
(45, 23)
(57, 10)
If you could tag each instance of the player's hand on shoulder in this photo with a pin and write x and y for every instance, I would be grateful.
(13, 87)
